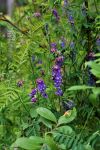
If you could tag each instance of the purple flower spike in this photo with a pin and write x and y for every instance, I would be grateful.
(41, 87)
(55, 13)
(71, 19)
(65, 3)
(57, 78)
(20, 83)
(59, 92)
(53, 45)
(37, 14)
(59, 61)
(90, 56)
(33, 100)
(33, 93)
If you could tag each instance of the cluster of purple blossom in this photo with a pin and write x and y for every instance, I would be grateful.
(57, 75)
(57, 78)
(41, 88)
(53, 47)
(55, 13)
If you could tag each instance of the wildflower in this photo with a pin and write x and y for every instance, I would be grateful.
(59, 61)
(53, 47)
(90, 56)
(41, 87)
(33, 95)
(39, 61)
(55, 13)
(62, 44)
(20, 83)
(33, 92)
(57, 78)
(37, 14)
(65, 3)
(71, 19)
(33, 99)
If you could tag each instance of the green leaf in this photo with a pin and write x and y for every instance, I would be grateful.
(65, 130)
(79, 87)
(46, 122)
(51, 143)
(33, 113)
(29, 144)
(68, 118)
(44, 112)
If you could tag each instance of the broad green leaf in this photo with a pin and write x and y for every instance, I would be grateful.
(44, 112)
(29, 144)
(46, 122)
(33, 113)
(96, 90)
(79, 87)
(65, 129)
(51, 143)
(67, 118)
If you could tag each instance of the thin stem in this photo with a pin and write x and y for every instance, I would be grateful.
(87, 119)
(3, 18)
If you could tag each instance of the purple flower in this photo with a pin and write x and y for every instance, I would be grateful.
(65, 3)
(55, 13)
(33, 100)
(62, 44)
(37, 14)
(20, 83)
(39, 61)
(41, 87)
(59, 92)
(57, 78)
(90, 56)
(53, 47)
(71, 19)
(33, 92)
(59, 61)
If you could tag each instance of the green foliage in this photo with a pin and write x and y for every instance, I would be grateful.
(25, 55)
